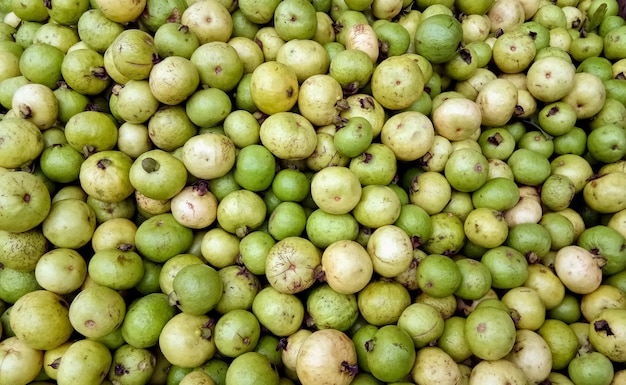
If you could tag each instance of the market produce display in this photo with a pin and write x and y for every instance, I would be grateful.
(313, 192)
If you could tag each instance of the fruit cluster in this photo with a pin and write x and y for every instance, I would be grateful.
(314, 192)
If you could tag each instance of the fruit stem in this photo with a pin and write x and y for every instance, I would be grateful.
(201, 187)
(352, 370)
(100, 73)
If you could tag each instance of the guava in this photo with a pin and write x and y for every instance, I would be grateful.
(269, 306)
(85, 360)
(547, 284)
(606, 334)
(500, 370)
(578, 269)
(31, 314)
(196, 289)
(347, 266)
(97, 311)
(352, 68)
(117, 269)
(433, 364)
(390, 343)
(70, 223)
(23, 362)
(396, 82)
(291, 264)
(240, 287)
(376, 165)
(156, 308)
(393, 295)
(22, 250)
(447, 237)
(326, 355)
(391, 250)
(330, 309)
(308, 58)
(593, 368)
(251, 368)
(210, 21)
(452, 339)
(255, 168)
(437, 38)
(423, 322)
(598, 192)
(131, 364)
(336, 190)
(186, 331)
(490, 333)
(236, 332)
(274, 87)
(241, 211)
(287, 219)
(288, 135)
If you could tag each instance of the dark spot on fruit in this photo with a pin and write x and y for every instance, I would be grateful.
(174, 17)
(602, 326)
(289, 92)
(90, 323)
(63, 302)
(383, 50)
(25, 111)
(120, 370)
(26, 198)
(515, 316)
(466, 55)
(150, 165)
(481, 327)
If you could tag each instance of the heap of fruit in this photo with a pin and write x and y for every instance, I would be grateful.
(322, 192)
